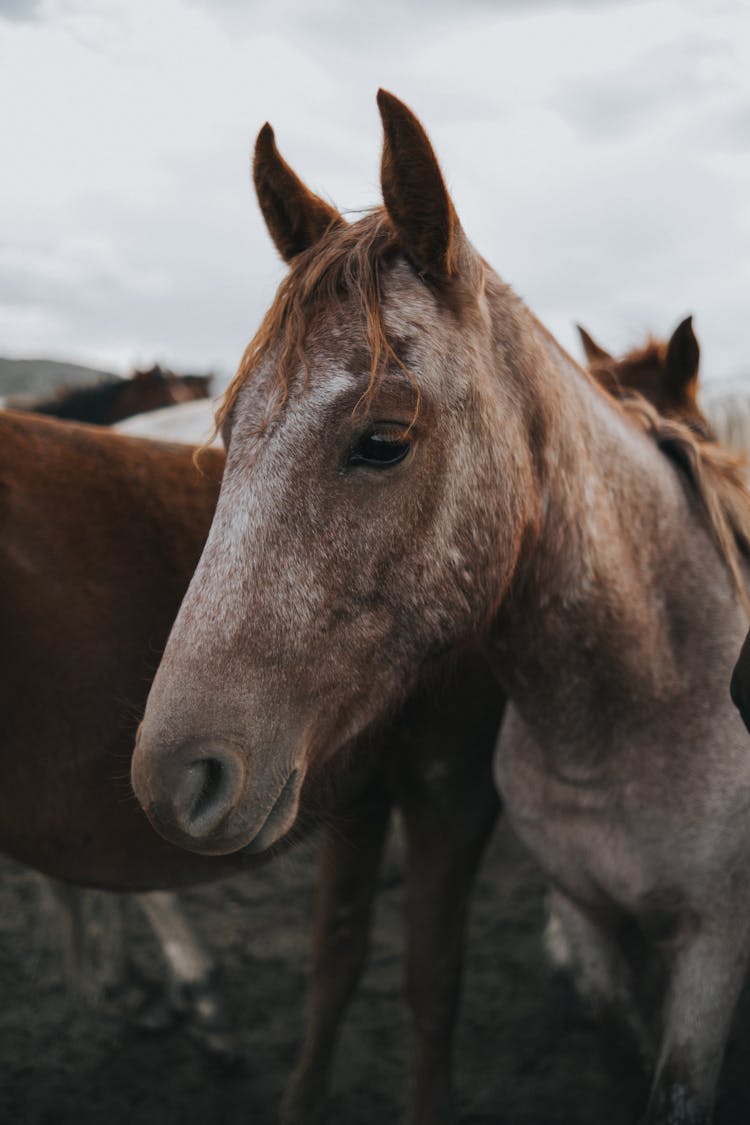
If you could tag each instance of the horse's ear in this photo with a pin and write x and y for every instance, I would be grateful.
(415, 194)
(593, 352)
(682, 358)
(295, 217)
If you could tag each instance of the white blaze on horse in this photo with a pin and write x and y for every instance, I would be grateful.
(415, 467)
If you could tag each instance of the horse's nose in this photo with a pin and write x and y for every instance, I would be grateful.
(191, 791)
(206, 789)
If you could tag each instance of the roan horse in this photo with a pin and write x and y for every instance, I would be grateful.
(108, 402)
(101, 534)
(416, 468)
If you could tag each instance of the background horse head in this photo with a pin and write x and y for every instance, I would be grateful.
(664, 372)
(108, 402)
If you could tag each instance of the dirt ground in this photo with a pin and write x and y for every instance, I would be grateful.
(527, 1052)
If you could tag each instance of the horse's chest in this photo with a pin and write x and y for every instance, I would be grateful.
(578, 822)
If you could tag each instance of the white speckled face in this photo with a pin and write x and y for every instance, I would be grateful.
(350, 544)
(353, 541)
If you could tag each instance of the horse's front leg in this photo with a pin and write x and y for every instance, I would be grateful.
(349, 861)
(448, 818)
(706, 976)
(580, 941)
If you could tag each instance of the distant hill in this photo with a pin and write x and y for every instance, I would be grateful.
(43, 376)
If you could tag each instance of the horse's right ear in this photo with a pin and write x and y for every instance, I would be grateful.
(295, 217)
(593, 352)
(415, 194)
(683, 358)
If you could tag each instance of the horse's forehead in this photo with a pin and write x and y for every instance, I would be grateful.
(338, 353)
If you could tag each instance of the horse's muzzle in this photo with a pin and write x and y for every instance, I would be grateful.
(201, 798)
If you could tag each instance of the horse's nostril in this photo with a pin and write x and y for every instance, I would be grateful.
(206, 792)
(209, 776)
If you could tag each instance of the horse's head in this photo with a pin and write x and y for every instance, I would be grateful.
(186, 388)
(146, 390)
(359, 534)
(664, 372)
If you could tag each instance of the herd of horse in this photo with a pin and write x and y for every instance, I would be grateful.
(430, 526)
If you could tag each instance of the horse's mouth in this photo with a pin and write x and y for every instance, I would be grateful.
(280, 818)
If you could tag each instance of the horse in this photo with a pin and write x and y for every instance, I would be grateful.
(101, 534)
(717, 411)
(105, 403)
(416, 469)
(664, 372)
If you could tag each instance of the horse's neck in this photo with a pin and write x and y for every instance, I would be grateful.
(620, 573)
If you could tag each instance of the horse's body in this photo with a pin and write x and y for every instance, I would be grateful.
(101, 534)
(414, 465)
(110, 401)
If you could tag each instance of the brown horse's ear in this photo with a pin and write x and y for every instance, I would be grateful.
(295, 217)
(593, 352)
(682, 359)
(415, 194)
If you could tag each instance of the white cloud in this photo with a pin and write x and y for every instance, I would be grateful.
(597, 152)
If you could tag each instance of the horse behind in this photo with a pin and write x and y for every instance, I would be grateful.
(666, 373)
(416, 468)
(110, 401)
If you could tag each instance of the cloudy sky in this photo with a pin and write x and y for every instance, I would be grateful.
(598, 152)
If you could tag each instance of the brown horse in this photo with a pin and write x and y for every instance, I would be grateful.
(414, 468)
(108, 402)
(101, 534)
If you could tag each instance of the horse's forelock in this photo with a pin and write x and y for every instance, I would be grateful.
(349, 262)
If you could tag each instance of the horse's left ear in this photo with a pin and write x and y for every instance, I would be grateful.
(682, 358)
(594, 352)
(415, 194)
(296, 218)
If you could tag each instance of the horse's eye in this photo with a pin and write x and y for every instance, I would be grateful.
(381, 450)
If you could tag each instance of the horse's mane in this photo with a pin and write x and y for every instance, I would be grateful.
(350, 260)
(82, 403)
(716, 474)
